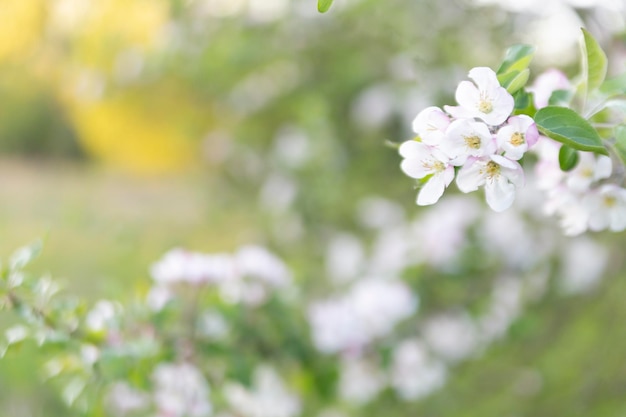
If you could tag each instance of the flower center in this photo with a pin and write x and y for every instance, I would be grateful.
(517, 139)
(485, 106)
(472, 141)
(610, 201)
(492, 169)
(438, 166)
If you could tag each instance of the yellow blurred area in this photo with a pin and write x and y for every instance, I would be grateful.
(146, 130)
(110, 26)
(21, 25)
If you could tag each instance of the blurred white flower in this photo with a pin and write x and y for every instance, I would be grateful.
(453, 337)
(344, 258)
(360, 381)
(178, 266)
(180, 390)
(379, 213)
(369, 310)
(583, 265)
(414, 374)
(268, 396)
(123, 399)
(101, 316)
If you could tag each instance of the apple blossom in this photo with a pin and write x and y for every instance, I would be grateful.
(467, 138)
(607, 208)
(517, 136)
(547, 83)
(421, 161)
(500, 176)
(485, 99)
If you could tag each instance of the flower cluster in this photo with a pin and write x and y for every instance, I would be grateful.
(247, 276)
(582, 199)
(479, 136)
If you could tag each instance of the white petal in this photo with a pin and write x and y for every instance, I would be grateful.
(500, 193)
(604, 168)
(432, 191)
(485, 78)
(411, 149)
(467, 95)
(470, 177)
(415, 168)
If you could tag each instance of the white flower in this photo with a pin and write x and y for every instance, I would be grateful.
(430, 125)
(267, 398)
(421, 161)
(181, 391)
(369, 310)
(453, 337)
(485, 100)
(360, 381)
(607, 208)
(567, 205)
(123, 399)
(467, 138)
(499, 175)
(414, 374)
(517, 136)
(588, 170)
(179, 266)
(101, 316)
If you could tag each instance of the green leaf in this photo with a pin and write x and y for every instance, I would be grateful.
(324, 5)
(614, 86)
(620, 142)
(518, 82)
(566, 126)
(568, 158)
(594, 62)
(516, 58)
(560, 98)
(524, 103)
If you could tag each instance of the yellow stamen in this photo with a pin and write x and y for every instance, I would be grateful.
(517, 139)
(485, 106)
(472, 141)
(492, 169)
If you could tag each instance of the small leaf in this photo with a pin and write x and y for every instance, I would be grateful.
(594, 62)
(566, 126)
(324, 5)
(518, 82)
(524, 103)
(517, 58)
(620, 142)
(614, 86)
(560, 98)
(568, 158)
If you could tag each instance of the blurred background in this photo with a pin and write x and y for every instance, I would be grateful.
(128, 127)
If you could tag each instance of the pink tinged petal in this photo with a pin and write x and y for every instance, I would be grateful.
(432, 191)
(545, 84)
(471, 176)
(500, 193)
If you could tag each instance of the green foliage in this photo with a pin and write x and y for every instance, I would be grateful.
(619, 146)
(324, 5)
(568, 158)
(517, 58)
(614, 86)
(594, 62)
(568, 127)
